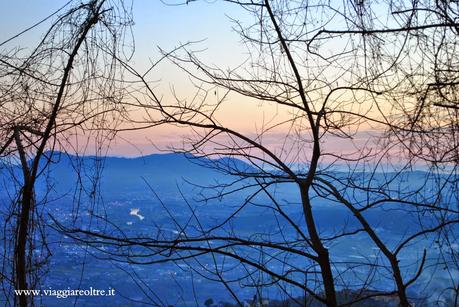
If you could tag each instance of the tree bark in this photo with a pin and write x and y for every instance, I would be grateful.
(21, 245)
(320, 249)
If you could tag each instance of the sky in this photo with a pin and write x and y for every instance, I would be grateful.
(156, 25)
(166, 26)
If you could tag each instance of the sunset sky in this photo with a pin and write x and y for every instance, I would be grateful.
(167, 26)
(156, 24)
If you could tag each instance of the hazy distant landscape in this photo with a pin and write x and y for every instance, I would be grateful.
(128, 202)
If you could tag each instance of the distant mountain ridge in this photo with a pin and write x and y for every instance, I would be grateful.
(122, 175)
(165, 172)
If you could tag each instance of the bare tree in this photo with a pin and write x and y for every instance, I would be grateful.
(69, 83)
(342, 72)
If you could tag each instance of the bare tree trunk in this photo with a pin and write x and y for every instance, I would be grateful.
(21, 245)
(319, 248)
(22, 229)
(399, 282)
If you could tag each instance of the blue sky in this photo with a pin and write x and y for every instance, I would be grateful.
(156, 24)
